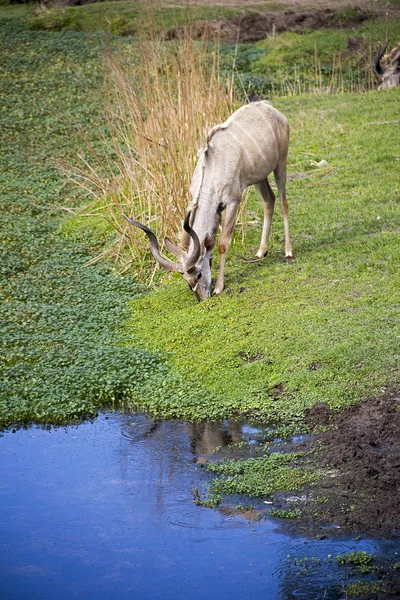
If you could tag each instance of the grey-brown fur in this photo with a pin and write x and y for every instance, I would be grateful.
(243, 151)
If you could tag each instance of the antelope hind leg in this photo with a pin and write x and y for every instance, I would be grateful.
(280, 178)
(268, 197)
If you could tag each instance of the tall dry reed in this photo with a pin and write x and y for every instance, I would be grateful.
(160, 108)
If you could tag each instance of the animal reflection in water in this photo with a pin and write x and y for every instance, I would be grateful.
(243, 151)
(206, 437)
(387, 68)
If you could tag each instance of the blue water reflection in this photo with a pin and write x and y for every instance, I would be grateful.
(104, 510)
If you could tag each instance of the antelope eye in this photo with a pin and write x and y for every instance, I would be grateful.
(198, 276)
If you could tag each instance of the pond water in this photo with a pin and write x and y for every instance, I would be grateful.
(104, 510)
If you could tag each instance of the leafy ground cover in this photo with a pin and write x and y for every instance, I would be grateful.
(62, 352)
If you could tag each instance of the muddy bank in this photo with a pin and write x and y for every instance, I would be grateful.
(360, 493)
(252, 27)
(361, 451)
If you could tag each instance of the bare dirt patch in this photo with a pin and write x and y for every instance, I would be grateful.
(252, 27)
(361, 454)
(360, 492)
(66, 3)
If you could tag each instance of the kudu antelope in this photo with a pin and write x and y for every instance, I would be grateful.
(243, 151)
(389, 74)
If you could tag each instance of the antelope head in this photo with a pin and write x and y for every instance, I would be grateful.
(389, 74)
(194, 263)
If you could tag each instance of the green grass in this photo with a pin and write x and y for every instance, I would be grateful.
(325, 326)
(334, 59)
(123, 17)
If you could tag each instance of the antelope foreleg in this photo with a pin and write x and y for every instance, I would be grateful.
(228, 228)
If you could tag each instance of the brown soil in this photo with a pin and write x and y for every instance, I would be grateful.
(361, 453)
(251, 27)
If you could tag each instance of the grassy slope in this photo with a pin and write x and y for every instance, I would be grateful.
(311, 60)
(324, 326)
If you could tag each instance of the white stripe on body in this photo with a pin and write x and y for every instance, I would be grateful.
(239, 141)
(267, 121)
(252, 139)
(202, 160)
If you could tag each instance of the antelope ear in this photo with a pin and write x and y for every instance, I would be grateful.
(208, 242)
(174, 250)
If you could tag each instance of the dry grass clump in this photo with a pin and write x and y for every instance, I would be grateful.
(160, 108)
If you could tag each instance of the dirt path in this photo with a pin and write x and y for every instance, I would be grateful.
(252, 27)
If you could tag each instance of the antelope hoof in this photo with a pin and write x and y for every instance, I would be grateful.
(261, 254)
(217, 290)
(289, 255)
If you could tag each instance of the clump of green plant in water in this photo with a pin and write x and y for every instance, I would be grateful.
(286, 513)
(245, 507)
(359, 589)
(258, 477)
(306, 562)
(361, 561)
(211, 499)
